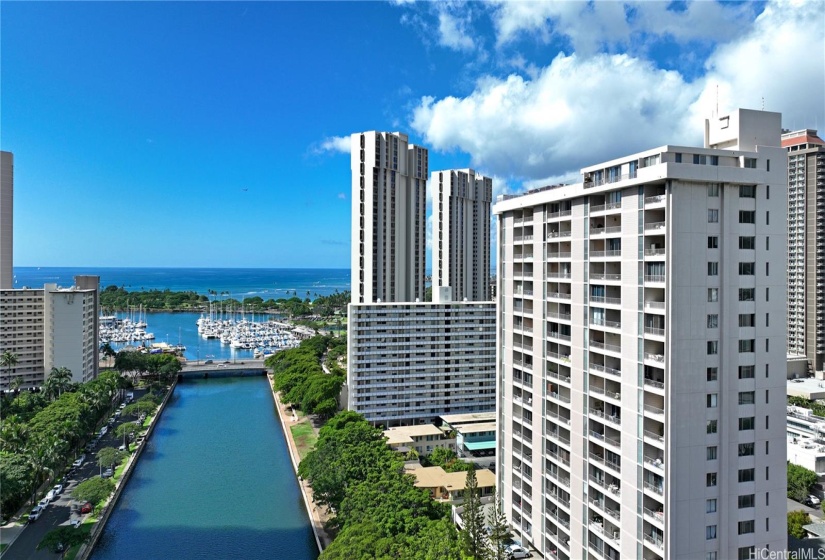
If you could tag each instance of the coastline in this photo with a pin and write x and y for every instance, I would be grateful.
(316, 516)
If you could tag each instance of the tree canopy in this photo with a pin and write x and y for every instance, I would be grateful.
(796, 521)
(800, 481)
(94, 490)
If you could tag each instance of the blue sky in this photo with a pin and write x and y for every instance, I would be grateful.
(211, 134)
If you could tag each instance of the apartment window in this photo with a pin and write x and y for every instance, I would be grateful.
(747, 191)
(767, 243)
(713, 242)
(710, 479)
(746, 553)
(713, 373)
(767, 269)
(746, 346)
(767, 217)
(713, 189)
(746, 372)
(747, 216)
(747, 294)
(767, 345)
(746, 450)
(713, 216)
(711, 453)
(767, 294)
(710, 532)
(714, 160)
(711, 429)
(767, 319)
(746, 527)
(747, 269)
(713, 294)
(713, 269)
(747, 397)
(747, 501)
(710, 555)
(747, 475)
(710, 505)
(711, 400)
(747, 423)
(678, 157)
(747, 242)
(713, 347)
(750, 163)
(713, 321)
(768, 187)
(699, 159)
(747, 319)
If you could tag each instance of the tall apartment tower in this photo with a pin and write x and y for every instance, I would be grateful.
(806, 246)
(6, 220)
(389, 187)
(461, 235)
(641, 352)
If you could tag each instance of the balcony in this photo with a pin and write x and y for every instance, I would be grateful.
(600, 414)
(656, 252)
(562, 316)
(606, 300)
(610, 206)
(558, 255)
(603, 438)
(605, 254)
(658, 358)
(558, 234)
(558, 336)
(559, 377)
(559, 214)
(606, 323)
(658, 199)
(655, 305)
(656, 463)
(614, 513)
(559, 397)
(606, 347)
(656, 331)
(654, 278)
(655, 226)
(612, 488)
(603, 369)
(655, 541)
(654, 384)
(657, 516)
(655, 488)
(558, 295)
(654, 410)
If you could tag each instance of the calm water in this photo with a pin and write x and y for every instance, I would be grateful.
(214, 482)
(239, 282)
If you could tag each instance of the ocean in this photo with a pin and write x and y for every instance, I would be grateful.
(239, 282)
(181, 328)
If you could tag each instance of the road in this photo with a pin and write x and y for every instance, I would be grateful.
(795, 506)
(58, 513)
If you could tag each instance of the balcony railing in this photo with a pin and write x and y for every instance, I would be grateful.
(604, 299)
(657, 515)
(657, 488)
(654, 199)
(559, 397)
(600, 414)
(605, 230)
(557, 234)
(654, 435)
(559, 214)
(655, 357)
(556, 375)
(605, 323)
(654, 277)
(602, 276)
(607, 253)
(562, 316)
(558, 335)
(654, 383)
(649, 226)
(614, 513)
(603, 207)
(558, 295)
(559, 255)
(655, 304)
(604, 346)
(655, 331)
(563, 275)
(654, 410)
(654, 252)
(605, 369)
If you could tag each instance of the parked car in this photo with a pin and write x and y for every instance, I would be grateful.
(811, 501)
(516, 551)
(121, 448)
(107, 473)
(122, 406)
(35, 513)
(43, 503)
(86, 508)
(58, 489)
(51, 496)
(79, 461)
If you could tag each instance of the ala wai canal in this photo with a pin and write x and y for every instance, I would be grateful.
(215, 481)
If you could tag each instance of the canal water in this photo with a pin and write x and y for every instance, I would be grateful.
(214, 482)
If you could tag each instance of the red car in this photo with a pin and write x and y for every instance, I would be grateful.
(86, 508)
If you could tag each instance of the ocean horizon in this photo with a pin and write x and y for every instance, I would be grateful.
(238, 282)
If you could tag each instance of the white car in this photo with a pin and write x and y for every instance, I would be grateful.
(43, 503)
(516, 551)
(51, 496)
(35, 513)
(79, 461)
(107, 473)
(58, 489)
(811, 501)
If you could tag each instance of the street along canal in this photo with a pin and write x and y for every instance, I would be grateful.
(214, 482)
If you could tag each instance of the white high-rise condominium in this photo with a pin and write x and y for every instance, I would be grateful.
(389, 204)
(461, 235)
(806, 245)
(641, 352)
(6, 220)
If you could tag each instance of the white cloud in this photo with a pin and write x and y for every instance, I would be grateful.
(579, 110)
(453, 32)
(568, 117)
(780, 60)
(334, 144)
(588, 26)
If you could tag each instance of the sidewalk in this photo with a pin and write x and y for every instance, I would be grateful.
(9, 532)
(318, 515)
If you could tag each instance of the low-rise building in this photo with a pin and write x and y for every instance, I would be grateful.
(423, 438)
(449, 487)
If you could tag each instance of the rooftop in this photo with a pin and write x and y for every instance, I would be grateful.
(404, 434)
(807, 136)
(809, 388)
(470, 418)
(476, 428)
(436, 477)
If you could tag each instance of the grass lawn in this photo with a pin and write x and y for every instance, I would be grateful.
(119, 470)
(304, 438)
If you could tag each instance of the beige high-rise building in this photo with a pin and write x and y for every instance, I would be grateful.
(6, 220)
(389, 205)
(461, 235)
(642, 353)
(806, 246)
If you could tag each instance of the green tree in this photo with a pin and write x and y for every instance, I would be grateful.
(796, 521)
(109, 457)
(499, 530)
(15, 475)
(63, 538)
(473, 539)
(8, 360)
(447, 459)
(800, 481)
(59, 380)
(94, 490)
(140, 407)
(126, 431)
(437, 541)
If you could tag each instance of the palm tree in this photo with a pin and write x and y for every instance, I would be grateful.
(59, 380)
(8, 360)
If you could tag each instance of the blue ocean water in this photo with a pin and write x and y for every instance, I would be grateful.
(239, 282)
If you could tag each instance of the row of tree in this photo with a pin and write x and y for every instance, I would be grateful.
(41, 433)
(161, 367)
(378, 511)
(302, 382)
(119, 299)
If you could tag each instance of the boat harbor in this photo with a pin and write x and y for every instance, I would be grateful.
(262, 337)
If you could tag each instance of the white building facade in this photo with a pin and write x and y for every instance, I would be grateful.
(461, 235)
(413, 362)
(806, 246)
(389, 205)
(641, 352)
